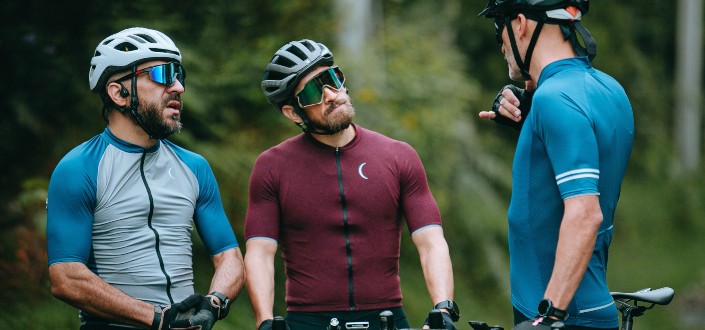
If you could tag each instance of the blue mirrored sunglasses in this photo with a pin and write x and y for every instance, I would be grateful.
(312, 93)
(165, 74)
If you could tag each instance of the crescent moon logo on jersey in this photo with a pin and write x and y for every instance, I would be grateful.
(359, 170)
(169, 172)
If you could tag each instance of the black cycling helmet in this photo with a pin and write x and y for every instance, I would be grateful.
(289, 64)
(285, 70)
(498, 8)
(566, 13)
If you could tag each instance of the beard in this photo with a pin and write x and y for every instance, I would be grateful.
(334, 122)
(513, 68)
(153, 121)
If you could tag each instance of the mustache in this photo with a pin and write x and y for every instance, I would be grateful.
(337, 102)
(172, 97)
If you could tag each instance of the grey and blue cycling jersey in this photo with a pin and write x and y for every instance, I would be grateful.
(127, 213)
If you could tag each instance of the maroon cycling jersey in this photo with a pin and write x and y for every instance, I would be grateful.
(337, 215)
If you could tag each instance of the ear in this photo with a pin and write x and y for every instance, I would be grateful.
(522, 24)
(113, 89)
(289, 112)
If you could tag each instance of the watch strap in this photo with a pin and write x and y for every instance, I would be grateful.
(451, 307)
(224, 305)
(156, 322)
(558, 313)
(546, 309)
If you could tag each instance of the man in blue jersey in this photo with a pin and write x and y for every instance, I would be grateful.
(121, 206)
(568, 167)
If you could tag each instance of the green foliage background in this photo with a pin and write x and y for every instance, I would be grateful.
(434, 66)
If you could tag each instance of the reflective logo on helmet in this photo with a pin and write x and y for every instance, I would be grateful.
(574, 11)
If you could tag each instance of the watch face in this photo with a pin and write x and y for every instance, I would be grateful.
(546, 309)
(544, 306)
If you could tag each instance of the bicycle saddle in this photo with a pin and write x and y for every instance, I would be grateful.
(662, 296)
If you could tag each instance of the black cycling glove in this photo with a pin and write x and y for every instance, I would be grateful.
(524, 97)
(191, 313)
(278, 323)
(439, 320)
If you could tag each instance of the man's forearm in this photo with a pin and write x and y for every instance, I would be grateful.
(435, 263)
(259, 266)
(229, 276)
(76, 285)
(438, 273)
(578, 233)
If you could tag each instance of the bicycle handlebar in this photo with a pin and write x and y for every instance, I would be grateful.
(661, 296)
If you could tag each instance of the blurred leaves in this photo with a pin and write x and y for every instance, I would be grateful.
(430, 68)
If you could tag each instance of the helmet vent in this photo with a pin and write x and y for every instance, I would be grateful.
(273, 75)
(309, 46)
(145, 37)
(161, 50)
(296, 51)
(285, 62)
(126, 47)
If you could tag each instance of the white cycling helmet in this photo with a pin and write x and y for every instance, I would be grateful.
(127, 48)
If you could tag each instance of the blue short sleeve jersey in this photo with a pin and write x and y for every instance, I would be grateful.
(127, 213)
(576, 141)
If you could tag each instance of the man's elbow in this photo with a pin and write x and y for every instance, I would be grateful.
(594, 221)
(59, 286)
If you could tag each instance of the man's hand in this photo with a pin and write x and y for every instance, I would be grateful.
(193, 312)
(278, 323)
(511, 106)
(539, 323)
(265, 325)
(439, 320)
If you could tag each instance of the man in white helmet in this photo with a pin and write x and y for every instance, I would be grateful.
(121, 206)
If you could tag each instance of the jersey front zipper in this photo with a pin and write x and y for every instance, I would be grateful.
(149, 224)
(346, 231)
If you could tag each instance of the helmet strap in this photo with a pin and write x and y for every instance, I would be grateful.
(306, 125)
(132, 108)
(523, 64)
(590, 48)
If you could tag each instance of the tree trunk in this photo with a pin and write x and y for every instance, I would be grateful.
(688, 85)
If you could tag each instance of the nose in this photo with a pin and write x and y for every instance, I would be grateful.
(330, 94)
(177, 87)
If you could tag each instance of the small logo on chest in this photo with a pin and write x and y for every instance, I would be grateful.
(359, 171)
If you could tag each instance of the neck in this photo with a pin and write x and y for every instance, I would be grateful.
(122, 126)
(339, 139)
(550, 47)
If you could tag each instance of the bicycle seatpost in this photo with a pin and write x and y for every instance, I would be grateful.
(386, 321)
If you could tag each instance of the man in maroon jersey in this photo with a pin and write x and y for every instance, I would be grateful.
(334, 199)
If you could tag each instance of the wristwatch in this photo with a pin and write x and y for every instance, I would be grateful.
(452, 308)
(224, 306)
(546, 309)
